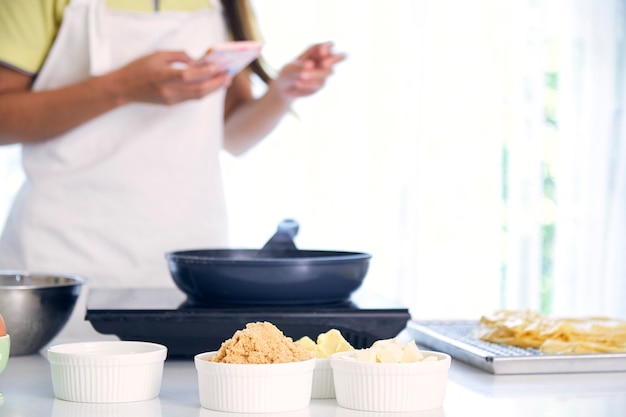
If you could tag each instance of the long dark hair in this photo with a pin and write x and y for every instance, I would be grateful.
(242, 23)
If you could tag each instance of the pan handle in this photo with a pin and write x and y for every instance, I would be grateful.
(283, 238)
(289, 226)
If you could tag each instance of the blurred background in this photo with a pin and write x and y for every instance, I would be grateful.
(476, 149)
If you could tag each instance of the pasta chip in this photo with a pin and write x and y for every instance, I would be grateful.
(529, 329)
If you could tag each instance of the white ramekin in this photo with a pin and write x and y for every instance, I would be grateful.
(323, 384)
(250, 388)
(107, 371)
(390, 387)
(148, 408)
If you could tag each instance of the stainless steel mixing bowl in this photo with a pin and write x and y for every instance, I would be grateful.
(36, 307)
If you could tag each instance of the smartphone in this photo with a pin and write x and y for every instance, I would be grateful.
(233, 56)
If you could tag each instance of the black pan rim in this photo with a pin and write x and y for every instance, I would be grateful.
(200, 255)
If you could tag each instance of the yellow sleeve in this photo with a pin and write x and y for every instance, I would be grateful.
(28, 27)
(27, 30)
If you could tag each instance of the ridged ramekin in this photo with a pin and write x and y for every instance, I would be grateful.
(323, 384)
(390, 387)
(252, 388)
(107, 371)
(148, 408)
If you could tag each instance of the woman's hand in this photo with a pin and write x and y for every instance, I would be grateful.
(249, 120)
(307, 74)
(167, 78)
(160, 78)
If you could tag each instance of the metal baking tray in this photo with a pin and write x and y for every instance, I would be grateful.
(453, 338)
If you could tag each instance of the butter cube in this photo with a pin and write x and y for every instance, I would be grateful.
(332, 342)
(365, 355)
(327, 344)
(307, 343)
(389, 353)
(383, 342)
(392, 351)
(335, 340)
(411, 353)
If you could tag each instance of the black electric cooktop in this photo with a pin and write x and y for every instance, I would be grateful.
(165, 316)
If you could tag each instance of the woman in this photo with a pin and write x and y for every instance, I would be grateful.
(121, 146)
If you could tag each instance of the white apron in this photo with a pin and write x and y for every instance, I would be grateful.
(107, 199)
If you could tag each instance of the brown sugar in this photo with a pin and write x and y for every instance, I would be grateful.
(260, 343)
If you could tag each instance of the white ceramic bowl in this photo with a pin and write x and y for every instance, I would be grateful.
(107, 371)
(266, 388)
(323, 384)
(390, 387)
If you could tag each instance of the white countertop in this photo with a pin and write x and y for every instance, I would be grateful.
(27, 387)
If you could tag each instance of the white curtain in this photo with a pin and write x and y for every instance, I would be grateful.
(429, 149)
(590, 257)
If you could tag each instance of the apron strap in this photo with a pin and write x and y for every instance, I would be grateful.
(99, 56)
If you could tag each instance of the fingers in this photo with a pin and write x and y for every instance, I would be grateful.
(171, 77)
(194, 85)
(330, 61)
(192, 79)
(310, 71)
(198, 71)
(322, 55)
(317, 51)
(309, 75)
(299, 78)
(179, 67)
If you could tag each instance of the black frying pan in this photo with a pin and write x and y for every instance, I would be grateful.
(277, 274)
